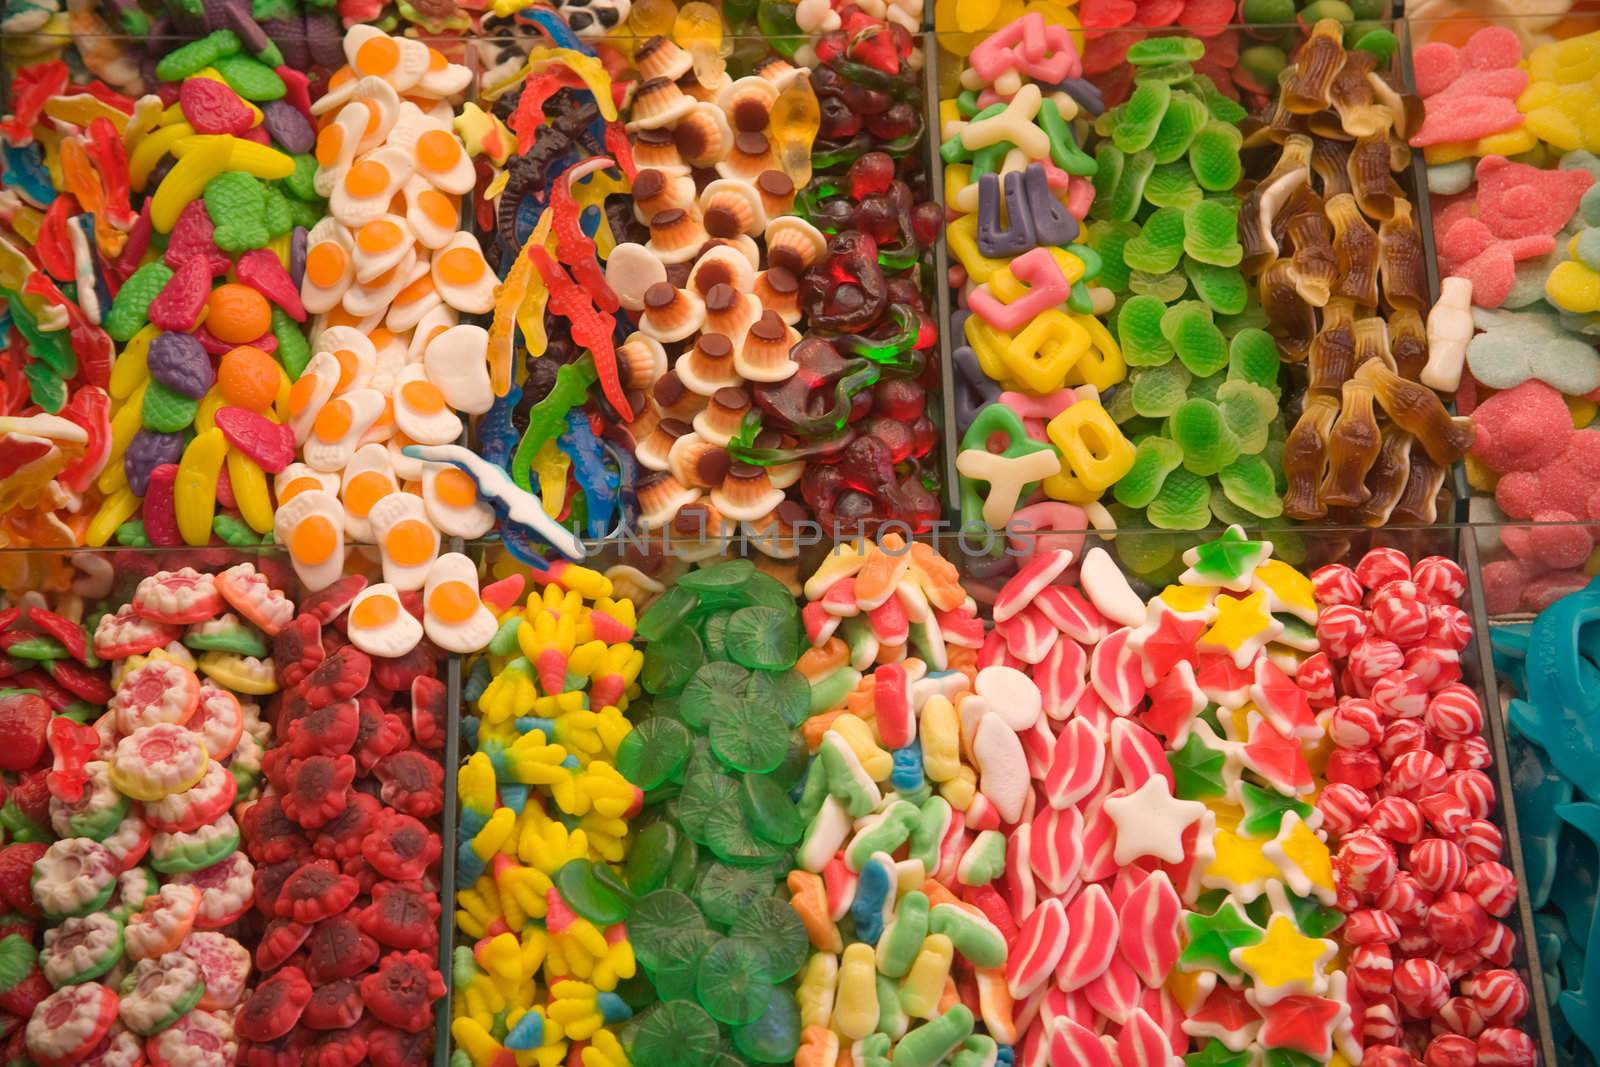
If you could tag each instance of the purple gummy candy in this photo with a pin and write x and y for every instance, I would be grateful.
(215, 13)
(285, 125)
(298, 243)
(325, 35)
(244, 26)
(290, 37)
(148, 450)
(179, 362)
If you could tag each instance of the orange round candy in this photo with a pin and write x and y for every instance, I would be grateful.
(238, 314)
(248, 378)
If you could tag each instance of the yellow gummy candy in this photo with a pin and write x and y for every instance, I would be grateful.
(962, 235)
(922, 987)
(1042, 353)
(205, 157)
(1573, 287)
(855, 1006)
(818, 981)
(195, 490)
(1102, 365)
(1506, 143)
(250, 491)
(1094, 453)
(116, 509)
(132, 366)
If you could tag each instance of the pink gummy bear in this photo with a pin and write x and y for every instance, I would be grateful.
(1569, 483)
(1516, 200)
(1523, 428)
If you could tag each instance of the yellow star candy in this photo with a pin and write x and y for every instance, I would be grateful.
(1189, 599)
(1243, 627)
(1285, 962)
(1303, 858)
(1239, 866)
(1290, 590)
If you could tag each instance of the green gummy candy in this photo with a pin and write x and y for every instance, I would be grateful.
(1267, 12)
(1253, 317)
(1222, 288)
(776, 927)
(1249, 483)
(1129, 194)
(1248, 410)
(1172, 185)
(1224, 108)
(1160, 391)
(276, 216)
(702, 794)
(750, 738)
(1377, 40)
(773, 1038)
(294, 351)
(1184, 503)
(132, 534)
(1110, 239)
(301, 183)
(674, 1033)
(984, 860)
(198, 55)
(1139, 332)
(1171, 73)
(1155, 50)
(1164, 287)
(1253, 357)
(934, 1040)
(45, 387)
(1185, 117)
(1139, 118)
(1206, 388)
(1214, 157)
(978, 1050)
(1207, 441)
(653, 752)
(733, 981)
(772, 814)
(724, 891)
(236, 532)
(237, 205)
(166, 410)
(302, 213)
(1211, 234)
(1064, 149)
(1109, 164)
(130, 309)
(967, 103)
(1159, 246)
(764, 638)
(250, 78)
(902, 938)
(1263, 62)
(1195, 338)
(655, 918)
(1119, 405)
(1153, 460)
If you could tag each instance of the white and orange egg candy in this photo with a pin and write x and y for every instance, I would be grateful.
(462, 276)
(435, 150)
(354, 353)
(421, 411)
(412, 302)
(407, 541)
(400, 61)
(330, 266)
(434, 217)
(389, 357)
(341, 427)
(365, 190)
(311, 526)
(368, 478)
(453, 614)
(311, 392)
(380, 245)
(457, 361)
(431, 325)
(379, 625)
(451, 499)
(298, 478)
(442, 78)
(374, 298)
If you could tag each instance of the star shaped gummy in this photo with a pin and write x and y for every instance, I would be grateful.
(1242, 628)
(1151, 821)
(1304, 859)
(1289, 590)
(1309, 914)
(1212, 939)
(1216, 1054)
(1227, 1017)
(1285, 963)
(1168, 642)
(1276, 758)
(1175, 699)
(1303, 1024)
(1238, 867)
(1197, 770)
(1229, 561)
(1264, 810)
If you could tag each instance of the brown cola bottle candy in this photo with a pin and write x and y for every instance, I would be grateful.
(1420, 501)
(1355, 247)
(1270, 197)
(1358, 113)
(1371, 179)
(1372, 342)
(1316, 270)
(1419, 410)
(1316, 65)
(1353, 446)
(1408, 343)
(1386, 481)
(1332, 359)
(1400, 260)
(1294, 322)
(1305, 454)
(1330, 162)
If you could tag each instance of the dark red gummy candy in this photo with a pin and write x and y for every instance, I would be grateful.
(428, 699)
(346, 1049)
(327, 731)
(297, 649)
(281, 939)
(270, 879)
(272, 1010)
(318, 788)
(342, 836)
(402, 915)
(399, 846)
(402, 991)
(413, 782)
(339, 677)
(287, 1051)
(315, 891)
(270, 836)
(337, 949)
(364, 873)
(387, 1047)
(378, 734)
(334, 1006)
(397, 672)
(328, 603)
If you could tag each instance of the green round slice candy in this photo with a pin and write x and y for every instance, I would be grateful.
(787, 692)
(679, 962)
(763, 590)
(764, 638)
(703, 794)
(655, 849)
(671, 660)
(715, 688)
(775, 1037)
(773, 816)
(653, 752)
(728, 834)
(723, 576)
(724, 891)
(591, 893)
(657, 917)
(674, 1034)
(715, 629)
(733, 981)
(774, 925)
(665, 613)
(750, 737)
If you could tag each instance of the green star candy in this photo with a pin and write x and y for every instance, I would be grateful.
(1288, 1057)
(1215, 1054)
(1228, 562)
(1213, 937)
(1198, 770)
(1264, 810)
(1312, 918)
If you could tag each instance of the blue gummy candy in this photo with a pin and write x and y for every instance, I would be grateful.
(907, 773)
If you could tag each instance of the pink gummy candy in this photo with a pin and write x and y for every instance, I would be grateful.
(1503, 582)
(1492, 273)
(1569, 483)
(1436, 66)
(1465, 118)
(1546, 589)
(1516, 200)
(1508, 83)
(1522, 428)
(1559, 547)
(1491, 48)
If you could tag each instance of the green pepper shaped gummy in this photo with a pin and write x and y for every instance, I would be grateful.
(234, 531)
(251, 78)
(1207, 441)
(1222, 288)
(1248, 482)
(132, 534)
(1172, 185)
(1195, 338)
(1159, 391)
(45, 387)
(166, 410)
(1153, 460)
(1224, 108)
(1159, 246)
(1128, 196)
(1164, 287)
(237, 205)
(1253, 357)
(300, 183)
(1109, 163)
(195, 56)
(1153, 51)
(1138, 119)
(1248, 410)
(1184, 502)
(130, 309)
(1186, 116)
(294, 351)
(1211, 234)
(1214, 157)
(1109, 239)
(1139, 332)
